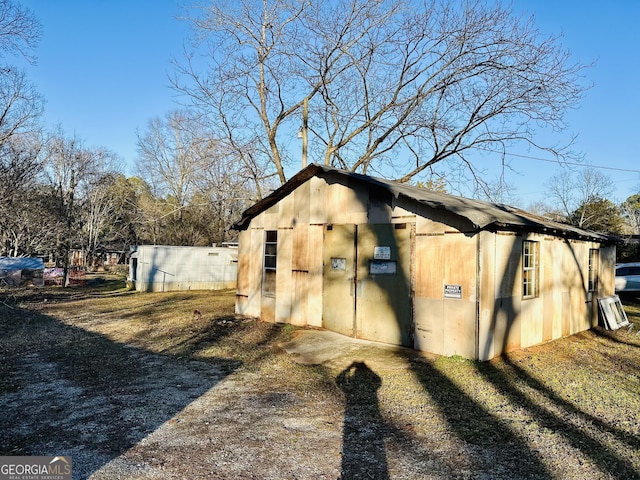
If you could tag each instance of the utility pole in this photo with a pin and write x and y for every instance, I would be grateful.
(305, 116)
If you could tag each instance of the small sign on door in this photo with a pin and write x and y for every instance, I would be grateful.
(338, 263)
(382, 253)
(382, 267)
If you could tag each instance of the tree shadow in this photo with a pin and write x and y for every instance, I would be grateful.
(614, 336)
(67, 391)
(363, 449)
(494, 443)
(578, 437)
(497, 445)
(497, 448)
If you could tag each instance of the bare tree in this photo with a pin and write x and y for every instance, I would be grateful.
(561, 192)
(631, 213)
(20, 31)
(599, 214)
(20, 104)
(99, 214)
(70, 166)
(571, 191)
(172, 157)
(192, 175)
(20, 166)
(226, 192)
(403, 84)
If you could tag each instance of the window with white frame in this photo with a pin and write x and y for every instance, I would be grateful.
(530, 269)
(269, 266)
(594, 260)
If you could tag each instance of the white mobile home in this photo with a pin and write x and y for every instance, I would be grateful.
(162, 268)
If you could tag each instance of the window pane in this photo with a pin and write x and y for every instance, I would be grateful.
(269, 283)
(529, 269)
(272, 236)
(527, 289)
(593, 269)
(270, 261)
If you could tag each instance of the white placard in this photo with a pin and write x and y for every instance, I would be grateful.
(382, 253)
(338, 263)
(453, 291)
(382, 267)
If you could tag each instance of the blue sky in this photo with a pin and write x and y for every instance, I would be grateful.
(103, 65)
(607, 122)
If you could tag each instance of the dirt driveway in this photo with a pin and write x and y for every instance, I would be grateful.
(174, 386)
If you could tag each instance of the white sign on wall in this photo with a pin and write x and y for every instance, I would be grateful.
(382, 253)
(338, 263)
(453, 291)
(382, 267)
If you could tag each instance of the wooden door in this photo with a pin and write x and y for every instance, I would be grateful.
(383, 301)
(338, 302)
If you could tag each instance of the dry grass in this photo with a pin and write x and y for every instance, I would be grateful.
(566, 409)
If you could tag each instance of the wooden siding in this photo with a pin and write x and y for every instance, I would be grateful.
(445, 326)
(563, 305)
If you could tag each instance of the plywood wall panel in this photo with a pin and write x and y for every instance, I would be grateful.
(461, 264)
(286, 213)
(486, 308)
(300, 297)
(317, 201)
(301, 204)
(460, 326)
(314, 300)
(284, 279)
(300, 249)
(429, 267)
(429, 325)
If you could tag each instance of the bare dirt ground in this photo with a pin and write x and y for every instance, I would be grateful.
(175, 386)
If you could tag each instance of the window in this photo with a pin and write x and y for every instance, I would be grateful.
(612, 312)
(530, 271)
(269, 269)
(594, 260)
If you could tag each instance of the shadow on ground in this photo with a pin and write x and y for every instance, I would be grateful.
(66, 391)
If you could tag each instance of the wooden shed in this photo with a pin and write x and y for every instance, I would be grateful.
(162, 268)
(388, 262)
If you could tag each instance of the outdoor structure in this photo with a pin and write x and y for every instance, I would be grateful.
(161, 268)
(20, 271)
(389, 262)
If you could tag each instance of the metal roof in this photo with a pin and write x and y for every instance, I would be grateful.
(481, 215)
(20, 263)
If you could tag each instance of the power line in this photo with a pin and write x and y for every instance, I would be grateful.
(572, 163)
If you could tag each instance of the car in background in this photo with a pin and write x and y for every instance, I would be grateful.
(628, 278)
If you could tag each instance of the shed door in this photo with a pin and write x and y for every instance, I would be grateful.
(367, 282)
(338, 304)
(383, 307)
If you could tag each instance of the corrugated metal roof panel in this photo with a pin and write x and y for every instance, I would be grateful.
(20, 263)
(482, 215)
